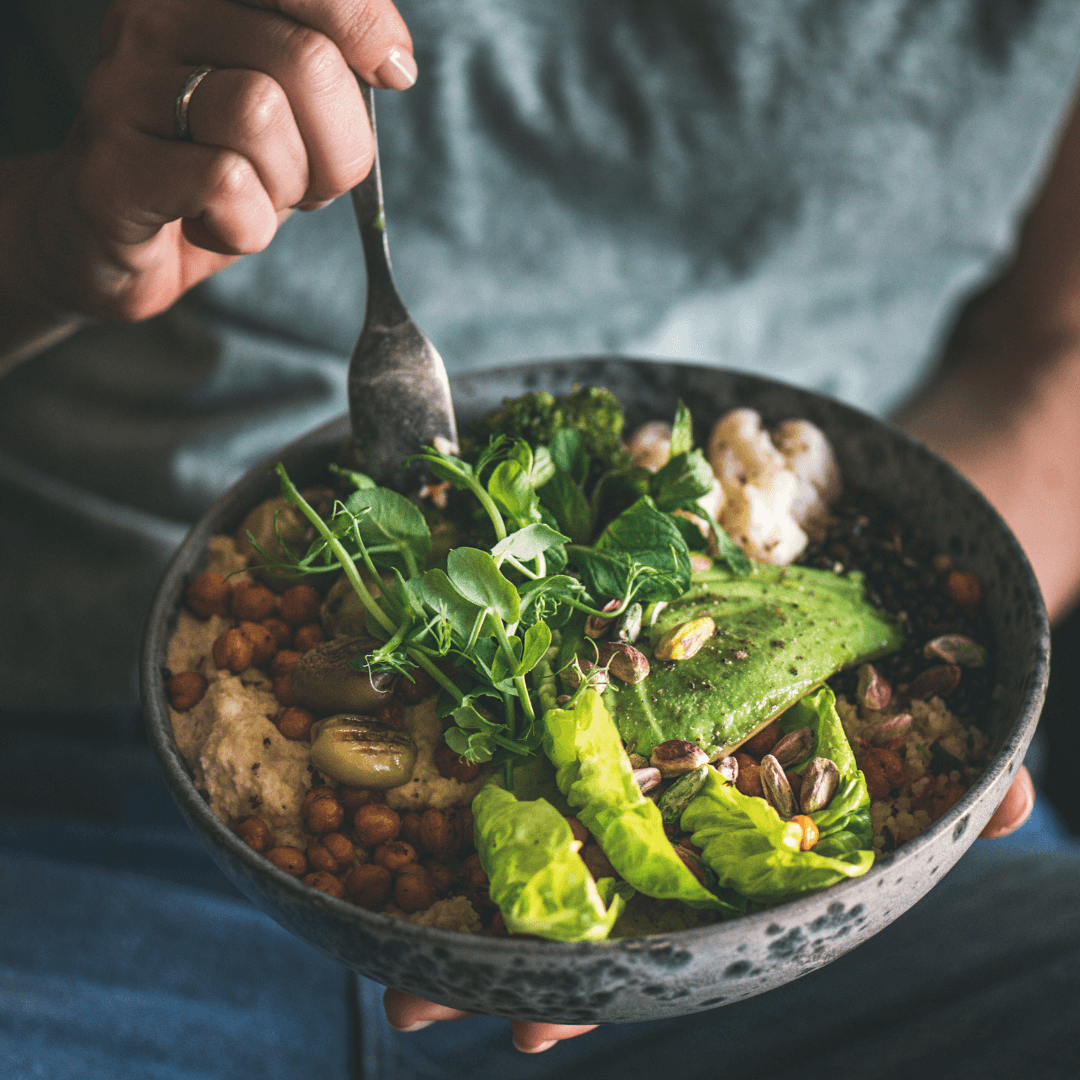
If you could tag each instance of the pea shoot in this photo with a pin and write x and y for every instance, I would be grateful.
(488, 624)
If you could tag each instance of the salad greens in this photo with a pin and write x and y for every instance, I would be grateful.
(479, 622)
(538, 880)
(844, 825)
(552, 524)
(594, 773)
(754, 851)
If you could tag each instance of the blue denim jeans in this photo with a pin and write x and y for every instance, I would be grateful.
(125, 954)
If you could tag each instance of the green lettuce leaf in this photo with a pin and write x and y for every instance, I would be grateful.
(595, 775)
(536, 876)
(754, 851)
(844, 825)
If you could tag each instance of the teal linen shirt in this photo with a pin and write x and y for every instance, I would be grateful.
(802, 189)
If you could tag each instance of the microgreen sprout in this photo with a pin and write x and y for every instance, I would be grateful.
(484, 621)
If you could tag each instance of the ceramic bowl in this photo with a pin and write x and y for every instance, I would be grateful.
(677, 973)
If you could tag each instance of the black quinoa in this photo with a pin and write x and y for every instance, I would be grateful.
(906, 576)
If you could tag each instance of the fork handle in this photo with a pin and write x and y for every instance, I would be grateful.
(384, 306)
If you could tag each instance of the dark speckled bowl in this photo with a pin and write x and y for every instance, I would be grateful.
(668, 974)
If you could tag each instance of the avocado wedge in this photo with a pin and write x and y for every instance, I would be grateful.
(779, 633)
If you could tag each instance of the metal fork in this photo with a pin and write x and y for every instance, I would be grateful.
(399, 396)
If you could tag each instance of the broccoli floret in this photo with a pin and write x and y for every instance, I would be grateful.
(592, 411)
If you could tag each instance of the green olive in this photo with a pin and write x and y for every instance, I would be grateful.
(362, 752)
(325, 681)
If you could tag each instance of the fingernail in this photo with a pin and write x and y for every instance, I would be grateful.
(539, 1048)
(418, 1026)
(398, 70)
(309, 206)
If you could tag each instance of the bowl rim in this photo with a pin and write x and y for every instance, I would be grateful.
(161, 738)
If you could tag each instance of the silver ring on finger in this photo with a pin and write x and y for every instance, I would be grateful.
(183, 100)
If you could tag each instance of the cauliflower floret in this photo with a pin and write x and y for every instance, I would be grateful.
(771, 489)
(650, 445)
(809, 456)
(759, 520)
(741, 432)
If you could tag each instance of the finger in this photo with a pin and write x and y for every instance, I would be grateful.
(234, 108)
(248, 112)
(133, 184)
(532, 1038)
(322, 91)
(407, 1013)
(1015, 808)
(371, 35)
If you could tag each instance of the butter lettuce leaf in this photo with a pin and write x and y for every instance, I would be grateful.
(844, 825)
(537, 878)
(594, 773)
(754, 851)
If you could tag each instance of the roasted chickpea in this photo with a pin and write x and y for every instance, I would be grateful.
(473, 873)
(233, 651)
(308, 636)
(254, 833)
(464, 824)
(352, 798)
(444, 875)
(316, 792)
(414, 890)
(186, 690)
(321, 858)
(324, 815)
(376, 824)
(410, 828)
(369, 886)
(280, 629)
(453, 766)
(391, 713)
(300, 604)
(749, 779)
(283, 690)
(416, 686)
(284, 661)
(209, 594)
(252, 602)
(763, 742)
(326, 883)
(262, 642)
(289, 859)
(295, 723)
(395, 855)
(437, 833)
(341, 847)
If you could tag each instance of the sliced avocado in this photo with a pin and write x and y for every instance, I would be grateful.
(778, 634)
